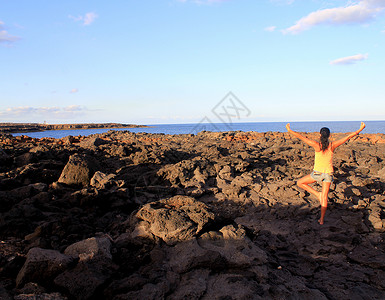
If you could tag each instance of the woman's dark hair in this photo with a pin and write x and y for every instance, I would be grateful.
(325, 133)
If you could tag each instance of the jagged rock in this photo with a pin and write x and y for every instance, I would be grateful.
(78, 171)
(233, 244)
(100, 180)
(94, 268)
(179, 218)
(42, 265)
(92, 142)
(90, 249)
(68, 140)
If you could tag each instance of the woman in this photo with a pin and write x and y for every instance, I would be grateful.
(323, 166)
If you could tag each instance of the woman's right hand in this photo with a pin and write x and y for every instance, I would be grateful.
(362, 126)
(288, 126)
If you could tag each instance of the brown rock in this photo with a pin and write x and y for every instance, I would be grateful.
(90, 249)
(42, 265)
(175, 219)
(78, 171)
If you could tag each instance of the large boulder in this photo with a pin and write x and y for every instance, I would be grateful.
(94, 268)
(42, 265)
(78, 171)
(176, 219)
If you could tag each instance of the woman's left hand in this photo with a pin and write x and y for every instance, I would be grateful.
(288, 126)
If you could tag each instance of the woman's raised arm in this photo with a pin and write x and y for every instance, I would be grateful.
(346, 138)
(310, 142)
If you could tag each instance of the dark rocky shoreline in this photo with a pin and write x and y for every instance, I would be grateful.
(35, 127)
(208, 216)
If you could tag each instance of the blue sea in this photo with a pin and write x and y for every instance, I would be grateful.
(335, 126)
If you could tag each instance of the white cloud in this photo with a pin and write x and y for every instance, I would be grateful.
(357, 13)
(349, 60)
(202, 1)
(26, 112)
(87, 19)
(270, 28)
(282, 2)
(5, 37)
(74, 91)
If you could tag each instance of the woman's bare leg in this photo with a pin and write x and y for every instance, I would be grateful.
(304, 182)
(324, 200)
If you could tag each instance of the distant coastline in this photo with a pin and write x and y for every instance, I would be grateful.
(37, 127)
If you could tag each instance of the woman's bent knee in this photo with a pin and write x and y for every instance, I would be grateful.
(300, 183)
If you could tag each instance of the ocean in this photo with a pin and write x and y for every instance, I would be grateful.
(335, 126)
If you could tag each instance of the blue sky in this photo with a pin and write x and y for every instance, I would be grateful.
(173, 61)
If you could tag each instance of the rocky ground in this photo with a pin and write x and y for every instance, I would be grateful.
(207, 216)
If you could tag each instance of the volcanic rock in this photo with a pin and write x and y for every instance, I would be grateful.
(179, 218)
(42, 265)
(78, 171)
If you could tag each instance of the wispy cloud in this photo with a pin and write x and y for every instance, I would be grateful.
(349, 60)
(282, 2)
(86, 20)
(202, 1)
(74, 91)
(67, 112)
(5, 37)
(360, 12)
(270, 28)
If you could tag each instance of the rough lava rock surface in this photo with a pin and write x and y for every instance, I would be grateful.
(208, 216)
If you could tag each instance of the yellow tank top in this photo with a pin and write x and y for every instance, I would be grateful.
(323, 161)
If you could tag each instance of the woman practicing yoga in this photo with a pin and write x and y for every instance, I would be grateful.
(323, 166)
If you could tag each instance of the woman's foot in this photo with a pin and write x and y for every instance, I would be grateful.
(320, 222)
